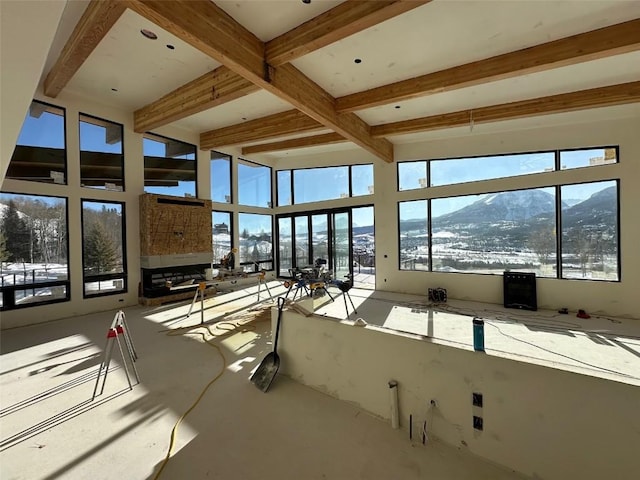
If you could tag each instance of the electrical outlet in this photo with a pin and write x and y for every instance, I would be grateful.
(477, 399)
(477, 422)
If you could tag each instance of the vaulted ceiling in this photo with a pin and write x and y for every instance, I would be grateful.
(289, 77)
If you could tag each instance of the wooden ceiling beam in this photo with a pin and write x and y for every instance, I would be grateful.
(604, 42)
(348, 18)
(207, 91)
(223, 85)
(621, 94)
(208, 28)
(565, 102)
(271, 126)
(96, 21)
(304, 142)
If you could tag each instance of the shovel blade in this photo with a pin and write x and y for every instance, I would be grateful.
(266, 371)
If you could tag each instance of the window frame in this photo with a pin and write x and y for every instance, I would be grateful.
(105, 276)
(533, 185)
(349, 180)
(560, 232)
(122, 154)
(65, 149)
(154, 137)
(257, 265)
(243, 161)
(9, 291)
(558, 228)
(231, 234)
(231, 177)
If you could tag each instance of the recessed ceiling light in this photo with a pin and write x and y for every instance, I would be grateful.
(358, 60)
(148, 34)
(397, 106)
(306, 1)
(244, 118)
(170, 47)
(114, 89)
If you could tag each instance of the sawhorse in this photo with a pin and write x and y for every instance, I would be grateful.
(118, 329)
(261, 280)
(202, 286)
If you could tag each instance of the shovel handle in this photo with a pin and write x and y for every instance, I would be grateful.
(280, 307)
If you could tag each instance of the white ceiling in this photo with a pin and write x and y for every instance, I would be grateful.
(444, 34)
(267, 19)
(142, 70)
(432, 37)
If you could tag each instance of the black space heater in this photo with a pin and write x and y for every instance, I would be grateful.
(520, 290)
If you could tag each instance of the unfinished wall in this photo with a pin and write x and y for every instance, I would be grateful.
(170, 225)
(545, 423)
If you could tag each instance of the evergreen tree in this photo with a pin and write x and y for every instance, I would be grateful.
(17, 235)
(100, 255)
(255, 253)
(4, 253)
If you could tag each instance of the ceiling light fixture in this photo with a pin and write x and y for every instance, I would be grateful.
(148, 34)
(114, 89)
(170, 47)
(358, 60)
(306, 1)
(397, 106)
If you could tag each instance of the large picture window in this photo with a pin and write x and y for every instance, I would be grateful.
(220, 177)
(34, 250)
(169, 166)
(568, 231)
(101, 154)
(103, 241)
(254, 184)
(495, 232)
(40, 153)
(256, 241)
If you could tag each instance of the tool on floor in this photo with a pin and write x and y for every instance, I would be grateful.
(261, 280)
(118, 329)
(344, 287)
(266, 371)
(582, 314)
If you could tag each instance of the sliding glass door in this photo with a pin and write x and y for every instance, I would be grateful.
(340, 245)
(344, 238)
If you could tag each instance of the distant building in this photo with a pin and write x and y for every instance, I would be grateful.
(220, 228)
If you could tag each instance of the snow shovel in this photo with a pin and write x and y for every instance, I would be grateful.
(266, 371)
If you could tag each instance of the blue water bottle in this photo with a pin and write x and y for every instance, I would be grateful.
(478, 335)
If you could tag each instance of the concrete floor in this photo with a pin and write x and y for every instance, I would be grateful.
(50, 429)
(600, 346)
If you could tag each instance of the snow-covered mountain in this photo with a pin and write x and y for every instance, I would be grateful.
(515, 206)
